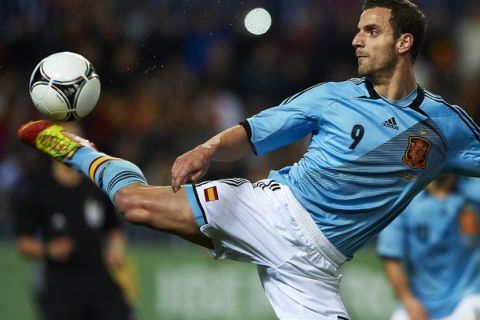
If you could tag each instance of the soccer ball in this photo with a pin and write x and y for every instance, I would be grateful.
(64, 86)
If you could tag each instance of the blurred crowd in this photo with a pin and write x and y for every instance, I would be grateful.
(174, 73)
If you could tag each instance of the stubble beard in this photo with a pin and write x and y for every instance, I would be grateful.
(378, 71)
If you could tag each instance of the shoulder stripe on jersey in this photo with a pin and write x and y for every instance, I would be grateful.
(468, 121)
(467, 117)
(357, 81)
(464, 115)
(433, 96)
(461, 114)
(459, 111)
(290, 99)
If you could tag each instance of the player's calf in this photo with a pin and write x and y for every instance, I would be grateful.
(108, 173)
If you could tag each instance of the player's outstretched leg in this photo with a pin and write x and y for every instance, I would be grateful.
(80, 154)
(156, 207)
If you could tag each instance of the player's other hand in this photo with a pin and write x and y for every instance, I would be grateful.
(59, 249)
(191, 166)
(415, 309)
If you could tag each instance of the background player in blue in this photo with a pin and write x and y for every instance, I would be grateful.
(376, 141)
(431, 255)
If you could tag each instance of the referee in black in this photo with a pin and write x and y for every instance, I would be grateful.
(67, 224)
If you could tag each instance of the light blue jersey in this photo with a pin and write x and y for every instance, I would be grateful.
(438, 241)
(368, 157)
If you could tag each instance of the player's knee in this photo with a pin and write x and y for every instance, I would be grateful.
(125, 199)
(130, 204)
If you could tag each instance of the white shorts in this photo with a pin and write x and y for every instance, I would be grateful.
(467, 309)
(262, 223)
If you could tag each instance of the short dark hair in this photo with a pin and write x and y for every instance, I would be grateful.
(406, 17)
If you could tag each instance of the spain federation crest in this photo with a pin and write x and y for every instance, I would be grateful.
(417, 152)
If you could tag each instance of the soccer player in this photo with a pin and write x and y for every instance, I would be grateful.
(71, 228)
(431, 255)
(375, 142)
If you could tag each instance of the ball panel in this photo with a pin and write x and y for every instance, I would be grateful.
(59, 115)
(39, 90)
(55, 104)
(87, 97)
(65, 67)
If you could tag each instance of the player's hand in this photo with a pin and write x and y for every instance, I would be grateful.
(415, 309)
(59, 249)
(191, 166)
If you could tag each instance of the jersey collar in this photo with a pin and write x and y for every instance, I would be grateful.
(416, 103)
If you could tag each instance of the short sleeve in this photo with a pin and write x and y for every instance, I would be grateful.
(290, 121)
(464, 155)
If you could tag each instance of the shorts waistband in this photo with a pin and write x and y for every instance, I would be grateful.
(312, 231)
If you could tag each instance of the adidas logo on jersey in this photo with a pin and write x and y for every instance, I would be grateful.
(390, 123)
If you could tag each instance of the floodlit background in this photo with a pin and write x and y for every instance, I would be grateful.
(175, 72)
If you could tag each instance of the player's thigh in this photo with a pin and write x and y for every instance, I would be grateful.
(159, 208)
(243, 220)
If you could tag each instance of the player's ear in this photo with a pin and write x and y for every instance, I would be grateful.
(404, 43)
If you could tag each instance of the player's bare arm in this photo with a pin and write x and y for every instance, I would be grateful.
(229, 145)
(399, 280)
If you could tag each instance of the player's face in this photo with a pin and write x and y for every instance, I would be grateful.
(375, 44)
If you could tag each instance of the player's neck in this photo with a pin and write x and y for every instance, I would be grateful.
(438, 191)
(395, 85)
(440, 194)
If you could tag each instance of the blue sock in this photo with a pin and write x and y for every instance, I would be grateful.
(108, 173)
